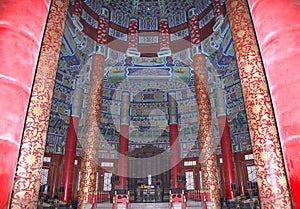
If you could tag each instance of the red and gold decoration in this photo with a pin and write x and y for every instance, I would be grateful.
(207, 149)
(89, 164)
(18, 65)
(133, 34)
(77, 7)
(132, 50)
(102, 30)
(217, 7)
(273, 188)
(194, 30)
(26, 187)
(164, 38)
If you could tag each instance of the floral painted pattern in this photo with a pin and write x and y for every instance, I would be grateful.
(164, 34)
(133, 34)
(92, 132)
(207, 149)
(271, 175)
(26, 187)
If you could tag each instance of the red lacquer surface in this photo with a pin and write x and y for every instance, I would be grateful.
(30, 161)
(174, 142)
(69, 158)
(21, 32)
(123, 149)
(278, 33)
(271, 175)
(227, 155)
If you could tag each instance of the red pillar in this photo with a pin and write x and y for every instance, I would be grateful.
(164, 38)
(278, 32)
(77, 7)
(174, 140)
(241, 184)
(197, 177)
(133, 38)
(35, 130)
(133, 34)
(123, 143)
(89, 163)
(123, 149)
(271, 174)
(217, 7)
(70, 149)
(69, 158)
(229, 172)
(21, 33)
(227, 155)
(173, 128)
(207, 158)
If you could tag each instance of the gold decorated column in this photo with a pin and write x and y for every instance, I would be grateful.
(89, 163)
(207, 159)
(26, 186)
(272, 182)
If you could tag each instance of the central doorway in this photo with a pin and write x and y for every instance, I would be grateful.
(149, 174)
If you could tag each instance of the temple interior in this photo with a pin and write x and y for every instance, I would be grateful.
(148, 73)
(148, 100)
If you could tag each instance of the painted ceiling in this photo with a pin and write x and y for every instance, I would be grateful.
(146, 8)
(148, 79)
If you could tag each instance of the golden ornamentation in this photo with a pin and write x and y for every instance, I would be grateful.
(26, 185)
(91, 138)
(207, 149)
(265, 141)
